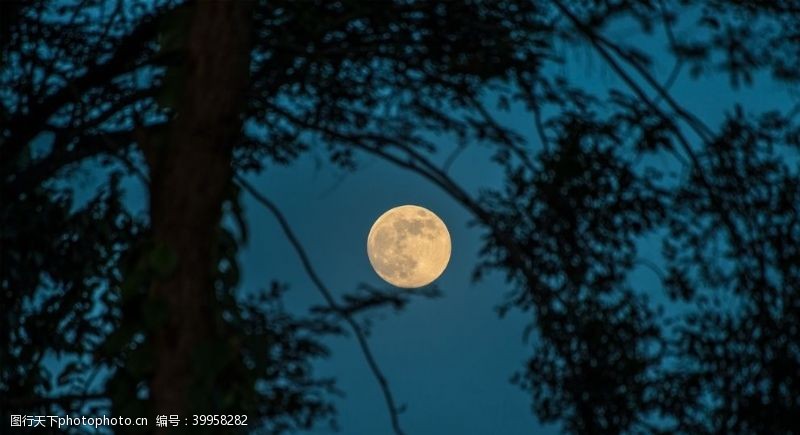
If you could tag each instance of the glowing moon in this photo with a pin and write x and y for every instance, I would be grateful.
(409, 246)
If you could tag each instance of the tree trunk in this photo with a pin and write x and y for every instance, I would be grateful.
(190, 175)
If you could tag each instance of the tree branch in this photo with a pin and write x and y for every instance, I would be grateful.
(603, 45)
(30, 122)
(394, 411)
(419, 164)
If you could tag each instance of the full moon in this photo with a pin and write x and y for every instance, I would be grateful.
(408, 246)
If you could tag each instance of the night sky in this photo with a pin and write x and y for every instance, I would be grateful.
(449, 360)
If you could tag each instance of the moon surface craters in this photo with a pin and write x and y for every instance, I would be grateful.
(409, 246)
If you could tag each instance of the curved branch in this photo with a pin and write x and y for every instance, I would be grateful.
(394, 411)
(452, 157)
(603, 45)
(413, 160)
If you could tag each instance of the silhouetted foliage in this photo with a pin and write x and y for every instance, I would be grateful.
(105, 297)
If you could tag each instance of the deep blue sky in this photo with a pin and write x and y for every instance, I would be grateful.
(448, 359)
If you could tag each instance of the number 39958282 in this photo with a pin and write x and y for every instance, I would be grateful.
(219, 420)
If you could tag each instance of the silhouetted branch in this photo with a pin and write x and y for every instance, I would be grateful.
(653, 267)
(31, 121)
(537, 119)
(502, 134)
(673, 43)
(369, 298)
(452, 157)
(394, 411)
(603, 45)
(536, 109)
(413, 160)
(673, 75)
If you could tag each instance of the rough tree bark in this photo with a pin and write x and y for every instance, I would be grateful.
(190, 174)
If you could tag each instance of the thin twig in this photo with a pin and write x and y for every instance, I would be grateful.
(452, 157)
(537, 119)
(502, 134)
(535, 107)
(394, 411)
(653, 268)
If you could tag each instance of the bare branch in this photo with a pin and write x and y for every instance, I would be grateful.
(452, 157)
(394, 411)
